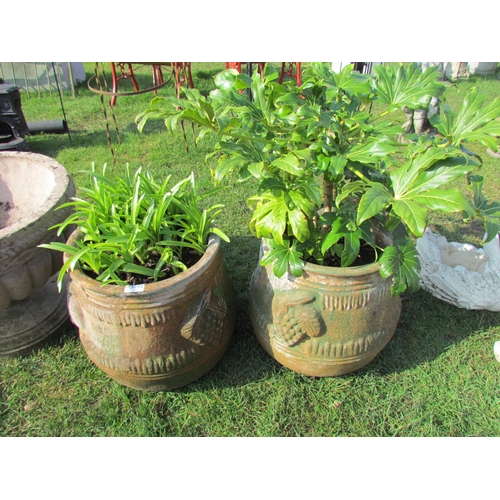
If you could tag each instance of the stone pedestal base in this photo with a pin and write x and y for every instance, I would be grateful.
(26, 324)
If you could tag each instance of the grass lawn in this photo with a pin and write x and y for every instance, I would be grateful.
(436, 377)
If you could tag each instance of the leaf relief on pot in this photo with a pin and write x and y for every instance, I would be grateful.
(204, 320)
(295, 317)
(357, 298)
(334, 349)
(118, 312)
(157, 365)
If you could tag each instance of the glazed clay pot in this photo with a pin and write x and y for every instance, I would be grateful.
(165, 337)
(329, 322)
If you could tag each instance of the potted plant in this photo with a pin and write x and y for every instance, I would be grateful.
(339, 200)
(149, 291)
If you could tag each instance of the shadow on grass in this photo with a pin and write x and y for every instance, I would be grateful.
(428, 328)
(246, 361)
(206, 74)
(51, 144)
(154, 126)
(67, 332)
(185, 133)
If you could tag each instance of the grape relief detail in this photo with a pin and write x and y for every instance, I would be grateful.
(204, 320)
(295, 318)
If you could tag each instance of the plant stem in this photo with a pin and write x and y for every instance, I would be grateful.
(327, 194)
(248, 138)
(358, 173)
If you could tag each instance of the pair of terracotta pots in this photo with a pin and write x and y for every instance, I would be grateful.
(328, 322)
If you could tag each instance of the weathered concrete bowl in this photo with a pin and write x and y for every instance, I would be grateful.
(31, 187)
(459, 273)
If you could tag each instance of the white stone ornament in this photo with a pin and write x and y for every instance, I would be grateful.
(496, 350)
(459, 273)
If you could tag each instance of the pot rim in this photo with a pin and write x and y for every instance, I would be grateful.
(62, 185)
(310, 268)
(342, 271)
(180, 280)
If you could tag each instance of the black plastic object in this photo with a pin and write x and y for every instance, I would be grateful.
(48, 127)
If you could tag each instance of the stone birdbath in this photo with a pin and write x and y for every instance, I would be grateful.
(31, 309)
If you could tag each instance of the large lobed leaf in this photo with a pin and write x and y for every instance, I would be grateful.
(472, 123)
(274, 213)
(283, 257)
(401, 262)
(398, 87)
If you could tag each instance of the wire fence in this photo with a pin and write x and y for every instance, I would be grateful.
(38, 77)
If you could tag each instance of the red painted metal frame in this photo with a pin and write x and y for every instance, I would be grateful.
(237, 66)
(292, 69)
(234, 65)
(181, 70)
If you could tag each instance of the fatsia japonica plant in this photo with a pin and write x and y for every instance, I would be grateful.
(331, 174)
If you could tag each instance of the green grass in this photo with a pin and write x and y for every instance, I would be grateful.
(436, 377)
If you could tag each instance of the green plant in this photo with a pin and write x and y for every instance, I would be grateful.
(134, 226)
(330, 173)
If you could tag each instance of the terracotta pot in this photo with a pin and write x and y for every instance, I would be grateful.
(329, 322)
(167, 336)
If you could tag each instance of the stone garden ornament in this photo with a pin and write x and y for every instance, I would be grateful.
(459, 273)
(32, 186)
(496, 350)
